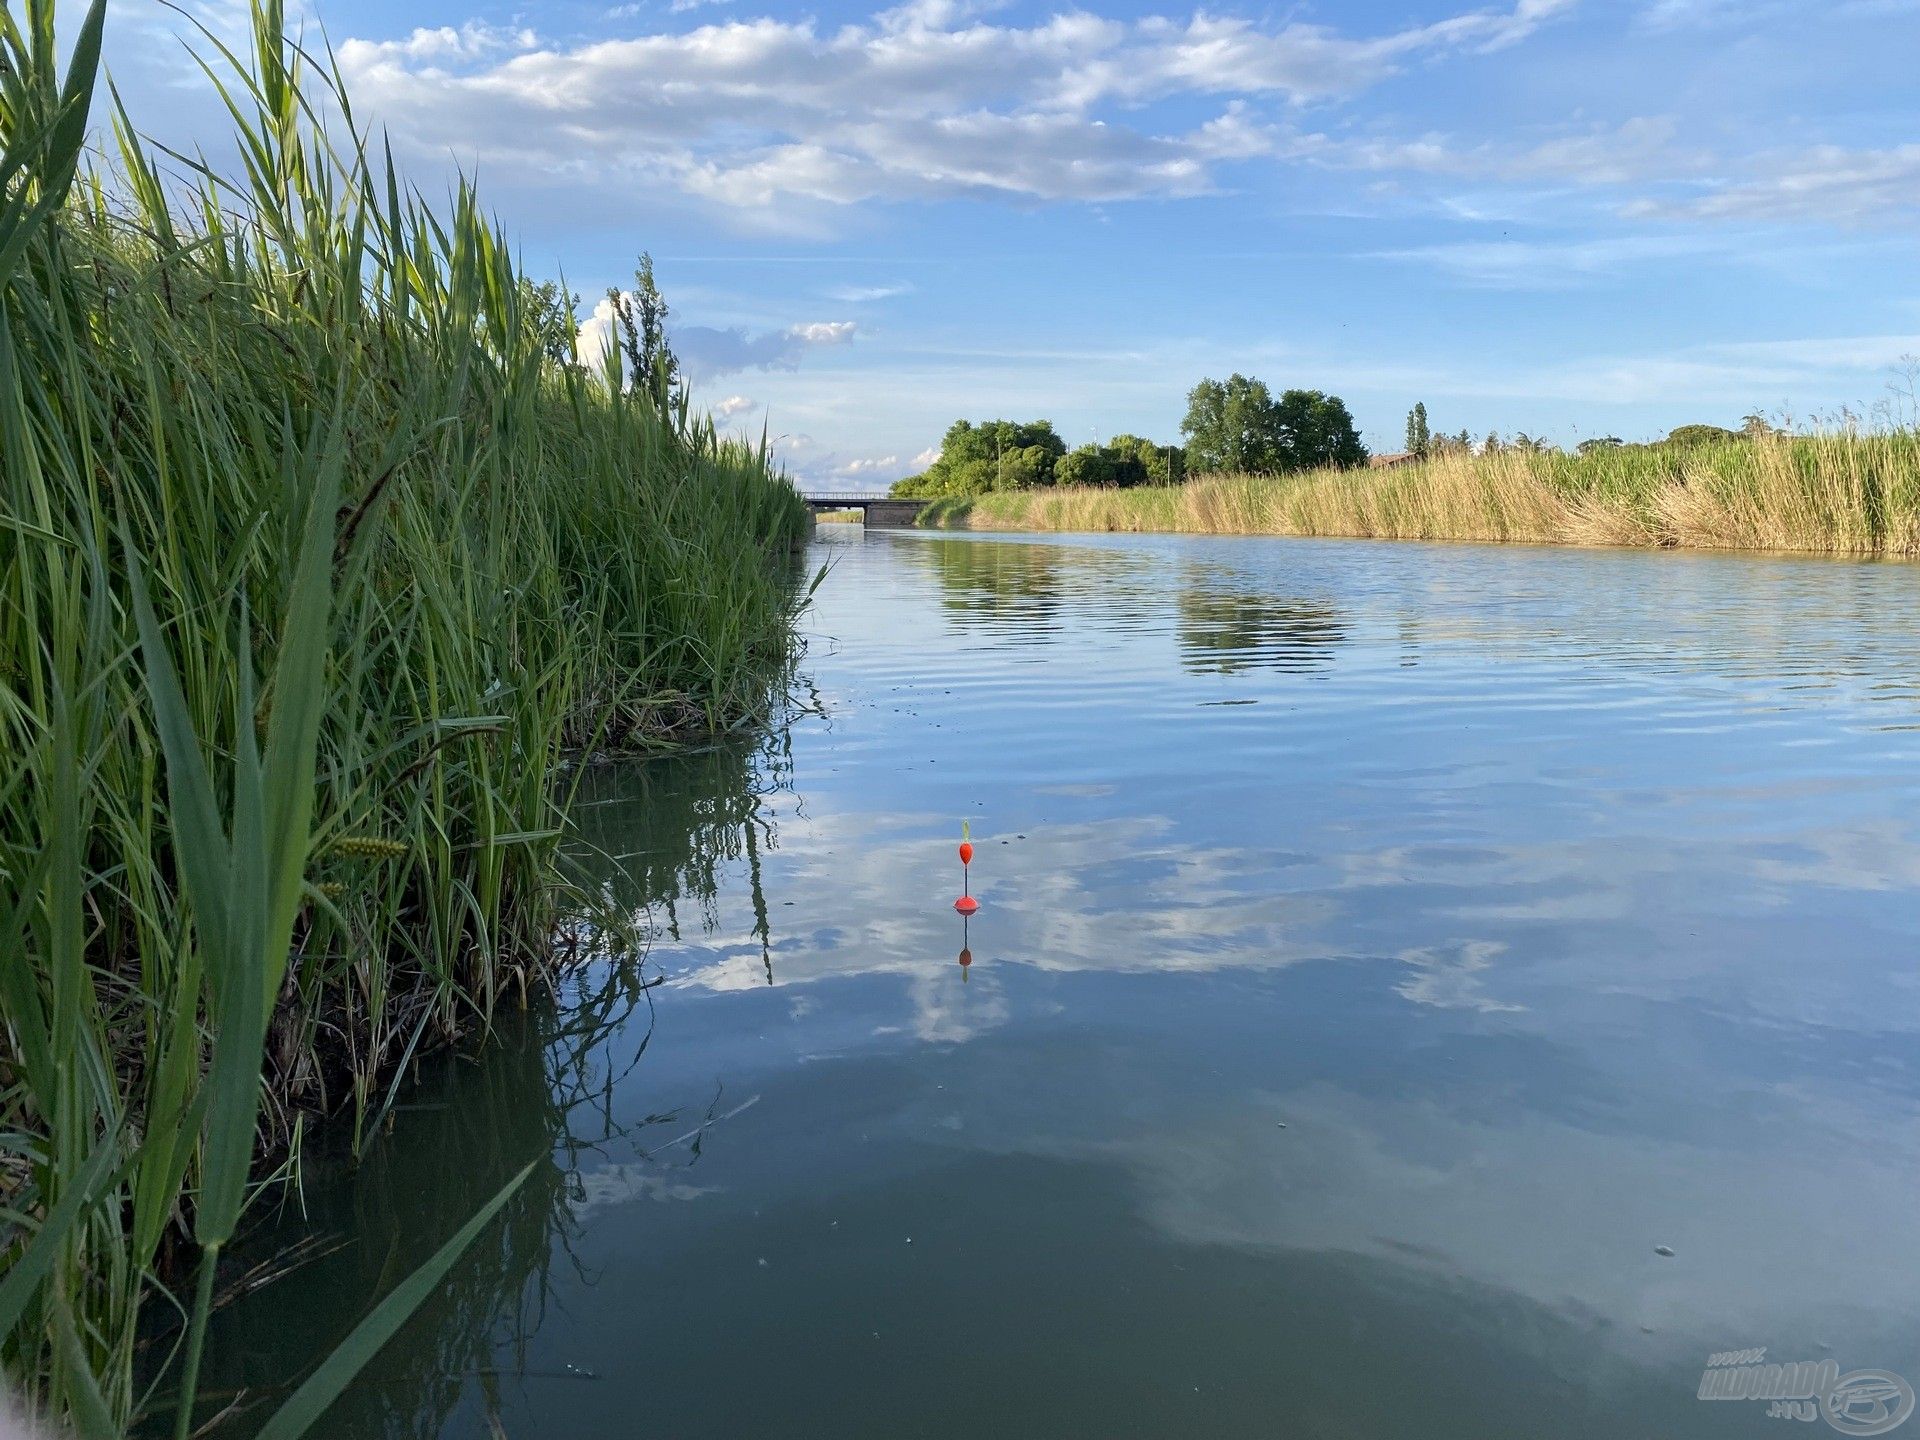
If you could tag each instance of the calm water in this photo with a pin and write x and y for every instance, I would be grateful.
(1384, 949)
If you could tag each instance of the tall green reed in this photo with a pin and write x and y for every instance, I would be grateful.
(312, 571)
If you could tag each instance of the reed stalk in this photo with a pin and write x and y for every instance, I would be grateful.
(314, 567)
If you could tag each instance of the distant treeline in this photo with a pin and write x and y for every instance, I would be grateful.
(1425, 443)
(1839, 491)
(1234, 424)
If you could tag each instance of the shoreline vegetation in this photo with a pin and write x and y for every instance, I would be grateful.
(321, 566)
(1841, 492)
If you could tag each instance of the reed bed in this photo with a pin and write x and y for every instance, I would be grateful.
(1841, 492)
(315, 569)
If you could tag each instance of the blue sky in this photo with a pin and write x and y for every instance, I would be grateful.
(1566, 217)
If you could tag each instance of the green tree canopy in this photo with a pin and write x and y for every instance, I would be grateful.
(991, 455)
(1236, 424)
(1087, 465)
(1419, 437)
(1318, 432)
(553, 313)
(1701, 435)
(640, 327)
(1232, 424)
(1122, 461)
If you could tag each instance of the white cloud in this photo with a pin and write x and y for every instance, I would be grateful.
(866, 294)
(1828, 183)
(1808, 373)
(1545, 265)
(471, 41)
(1669, 15)
(1637, 148)
(922, 100)
(706, 352)
(824, 332)
(735, 405)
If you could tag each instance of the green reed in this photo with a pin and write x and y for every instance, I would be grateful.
(313, 567)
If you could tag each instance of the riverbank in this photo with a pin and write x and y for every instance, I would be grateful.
(318, 560)
(1830, 493)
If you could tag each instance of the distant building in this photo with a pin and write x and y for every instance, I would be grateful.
(1393, 461)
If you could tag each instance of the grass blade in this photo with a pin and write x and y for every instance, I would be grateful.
(303, 1409)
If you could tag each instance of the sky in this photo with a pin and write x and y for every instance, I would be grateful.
(1572, 218)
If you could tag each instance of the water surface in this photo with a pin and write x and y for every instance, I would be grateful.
(1385, 950)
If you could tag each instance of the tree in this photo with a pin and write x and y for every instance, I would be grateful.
(1599, 443)
(1756, 427)
(1491, 445)
(1122, 461)
(640, 322)
(550, 313)
(1139, 461)
(1419, 438)
(1233, 425)
(1318, 433)
(1237, 425)
(992, 455)
(1701, 435)
(1088, 465)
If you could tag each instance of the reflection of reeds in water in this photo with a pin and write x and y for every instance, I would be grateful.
(1838, 492)
(542, 1091)
(653, 836)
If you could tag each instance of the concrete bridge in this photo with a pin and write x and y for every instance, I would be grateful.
(878, 511)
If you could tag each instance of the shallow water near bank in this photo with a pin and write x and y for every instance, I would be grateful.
(1386, 951)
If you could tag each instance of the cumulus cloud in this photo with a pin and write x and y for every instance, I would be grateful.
(735, 405)
(431, 46)
(706, 353)
(922, 100)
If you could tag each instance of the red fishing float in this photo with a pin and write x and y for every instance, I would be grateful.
(966, 904)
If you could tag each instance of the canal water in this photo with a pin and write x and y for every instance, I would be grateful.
(1418, 991)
